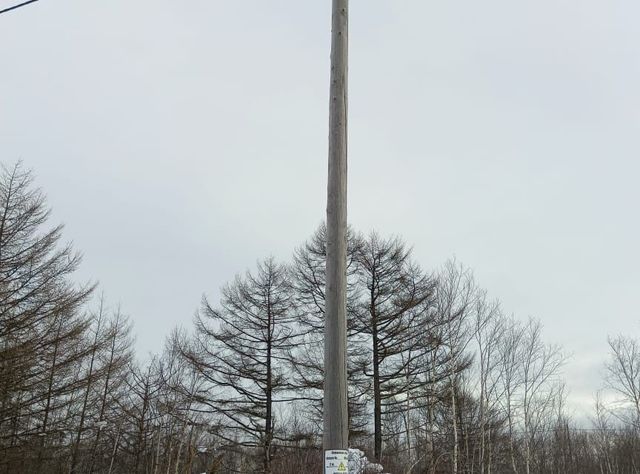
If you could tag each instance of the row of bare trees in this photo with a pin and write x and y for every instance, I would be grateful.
(440, 379)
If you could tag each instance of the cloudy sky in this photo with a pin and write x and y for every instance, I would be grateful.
(181, 141)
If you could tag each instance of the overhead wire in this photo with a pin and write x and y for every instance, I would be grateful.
(17, 6)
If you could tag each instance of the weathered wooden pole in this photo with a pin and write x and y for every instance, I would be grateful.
(336, 430)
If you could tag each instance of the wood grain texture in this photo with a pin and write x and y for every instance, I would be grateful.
(335, 344)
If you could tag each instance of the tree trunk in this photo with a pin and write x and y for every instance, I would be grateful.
(74, 458)
(377, 396)
(103, 401)
(47, 409)
(482, 410)
(115, 450)
(454, 455)
(268, 424)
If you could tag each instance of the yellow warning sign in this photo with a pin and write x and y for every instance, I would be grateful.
(336, 461)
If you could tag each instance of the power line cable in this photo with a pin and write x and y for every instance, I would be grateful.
(17, 6)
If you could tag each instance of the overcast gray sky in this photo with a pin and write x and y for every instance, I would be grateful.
(181, 141)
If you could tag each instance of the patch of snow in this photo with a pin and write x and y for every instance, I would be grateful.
(359, 464)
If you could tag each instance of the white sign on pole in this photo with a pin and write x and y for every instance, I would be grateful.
(336, 461)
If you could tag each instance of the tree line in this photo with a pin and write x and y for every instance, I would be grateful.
(440, 378)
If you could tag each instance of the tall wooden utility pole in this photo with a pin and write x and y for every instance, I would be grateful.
(336, 429)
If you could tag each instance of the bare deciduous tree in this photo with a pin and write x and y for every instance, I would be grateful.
(623, 373)
(397, 301)
(40, 323)
(241, 351)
